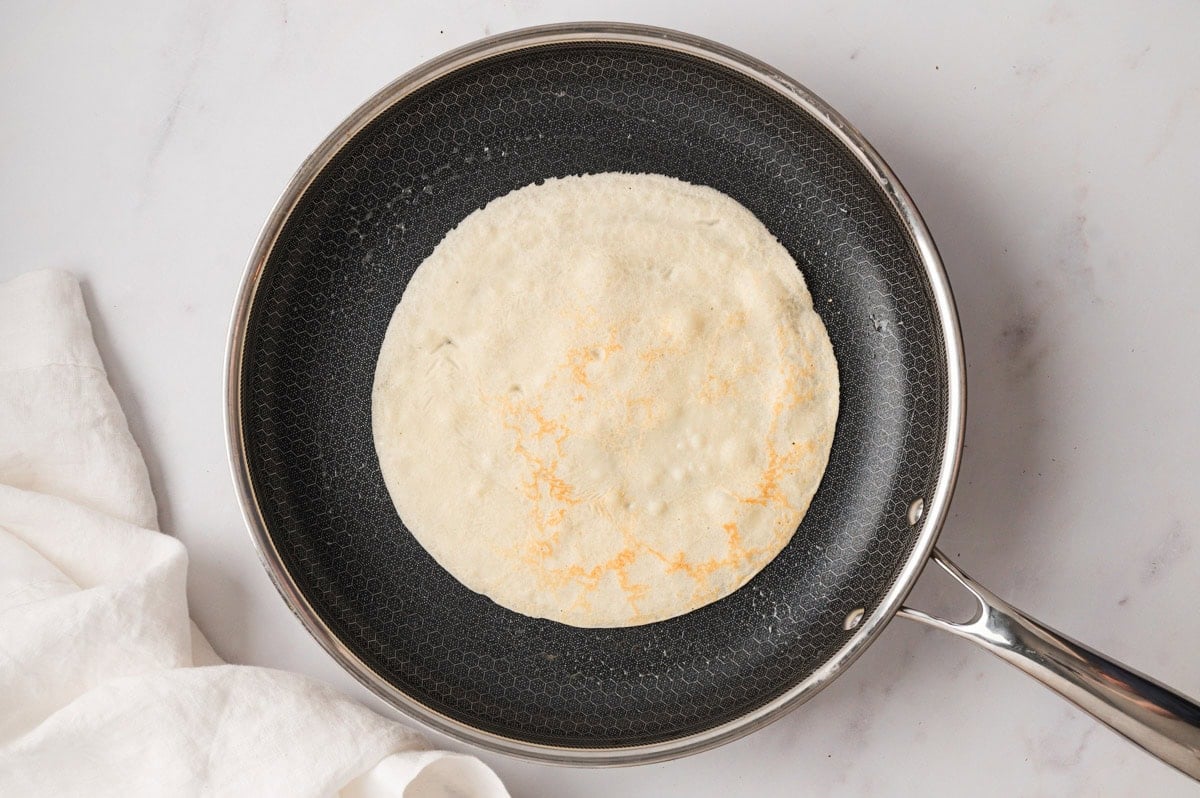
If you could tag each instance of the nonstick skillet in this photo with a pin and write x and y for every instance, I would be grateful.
(372, 202)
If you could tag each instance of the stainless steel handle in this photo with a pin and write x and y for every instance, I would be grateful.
(1151, 715)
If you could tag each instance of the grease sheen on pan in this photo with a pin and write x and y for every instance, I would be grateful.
(605, 400)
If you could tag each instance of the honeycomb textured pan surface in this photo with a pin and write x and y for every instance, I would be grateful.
(339, 268)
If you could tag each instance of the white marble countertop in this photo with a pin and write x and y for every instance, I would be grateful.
(1054, 153)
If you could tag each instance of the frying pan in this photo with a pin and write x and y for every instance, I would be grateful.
(372, 202)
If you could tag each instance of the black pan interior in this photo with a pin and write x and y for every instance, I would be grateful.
(339, 268)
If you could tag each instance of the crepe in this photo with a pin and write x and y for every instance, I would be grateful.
(605, 400)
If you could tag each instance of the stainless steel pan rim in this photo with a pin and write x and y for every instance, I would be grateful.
(935, 505)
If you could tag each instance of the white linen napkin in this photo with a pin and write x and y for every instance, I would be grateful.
(106, 687)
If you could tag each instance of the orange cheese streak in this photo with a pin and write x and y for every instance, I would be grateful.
(528, 422)
(781, 465)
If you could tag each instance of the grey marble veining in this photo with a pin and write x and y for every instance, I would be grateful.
(1053, 149)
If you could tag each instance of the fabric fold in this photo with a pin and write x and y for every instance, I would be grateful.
(106, 686)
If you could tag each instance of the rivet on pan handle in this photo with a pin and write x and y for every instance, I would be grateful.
(1151, 715)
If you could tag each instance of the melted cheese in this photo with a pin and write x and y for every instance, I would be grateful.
(605, 400)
